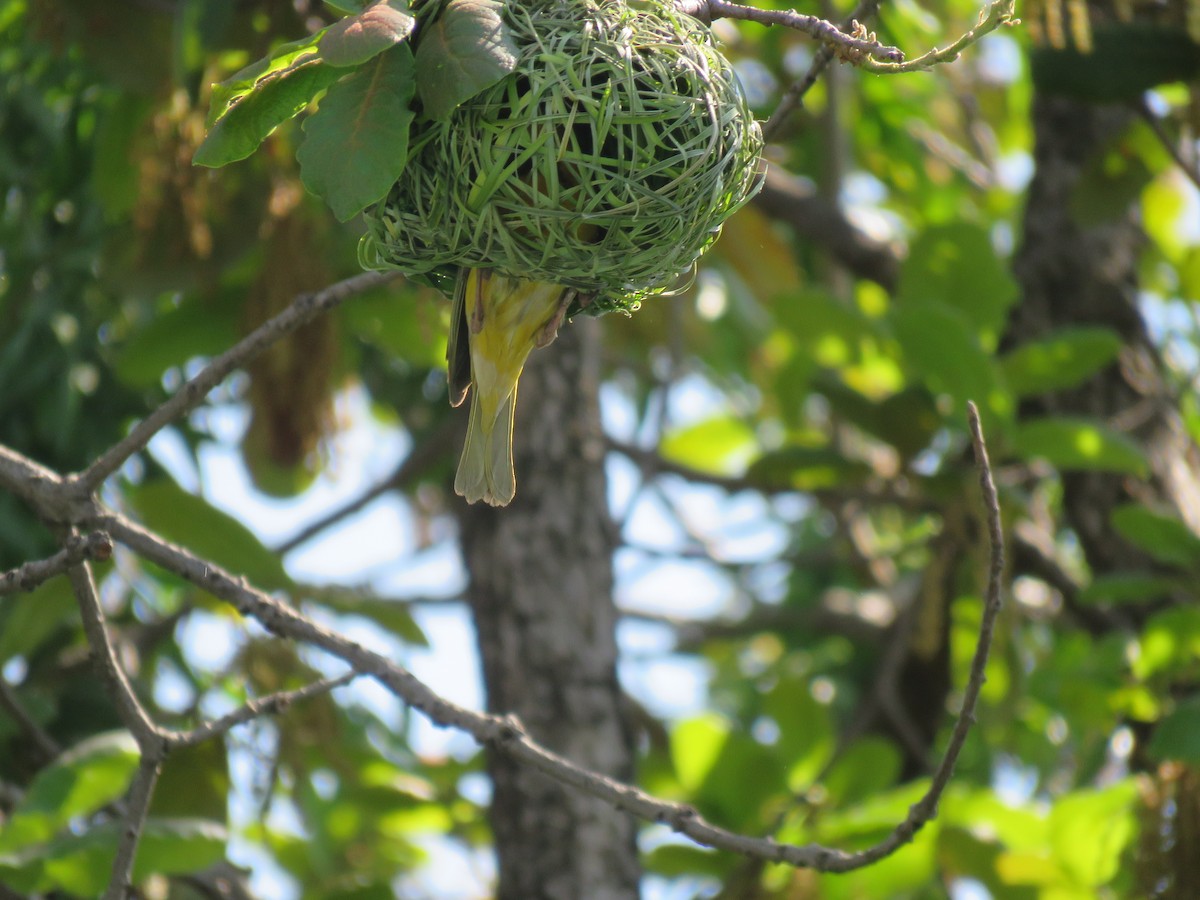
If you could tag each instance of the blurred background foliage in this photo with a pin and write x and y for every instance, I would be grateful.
(787, 432)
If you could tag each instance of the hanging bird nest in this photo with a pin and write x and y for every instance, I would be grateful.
(606, 161)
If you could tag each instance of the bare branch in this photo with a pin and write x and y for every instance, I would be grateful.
(999, 12)
(138, 805)
(1171, 146)
(853, 47)
(133, 715)
(507, 734)
(791, 200)
(303, 309)
(272, 704)
(993, 16)
(47, 747)
(95, 546)
(429, 452)
(794, 95)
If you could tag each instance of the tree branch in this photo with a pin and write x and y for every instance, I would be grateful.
(302, 310)
(95, 546)
(853, 46)
(507, 734)
(47, 747)
(790, 200)
(429, 452)
(138, 805)
(271, 704)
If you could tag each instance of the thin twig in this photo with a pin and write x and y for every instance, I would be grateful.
(996, 14)
(794, 95)
(46, 746)
(852, 47)
(1172, 147)
(300, 311)
(138, 805)
(506, 733)
(133, 715)
(94, 546)
(272, 704)
(991, 17)
(418, 462)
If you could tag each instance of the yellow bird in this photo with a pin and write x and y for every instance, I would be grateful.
(496, 321)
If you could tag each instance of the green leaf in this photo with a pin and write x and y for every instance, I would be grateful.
(401, 323)
(185, 519)
(347, 7)
(81, 864)
(275, 65)
(938, 341)
(194, 783)
(174, 337)
(177, 846)
(247, 123)
(356, 144)
(695, 747)
(83, 779)
(354, 40)
(26, 621)
(393, 617)
(1165, 538)
(956, 265)
(1089, 831)
(1125, 61)
(806, 469)
(720, 445)
(1078, 444)
(1060, 360)
(1127, 587)
(863, 771)
(467, 49)
(1177, 736)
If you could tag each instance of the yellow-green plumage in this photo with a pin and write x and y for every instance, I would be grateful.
(496, 321)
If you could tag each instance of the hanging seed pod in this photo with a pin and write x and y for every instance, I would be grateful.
(607, 161)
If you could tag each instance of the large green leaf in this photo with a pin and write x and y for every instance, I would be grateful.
(1089, 831)
(356, 144)
(1164, 537)
(940, 343)
(82, 780)
(806, 469)
(957, 265)
(392, 616)
(1128, 587)
(194, 523)
(175, 336)
(27, 620)
(722, 445)
(1060, 360)
(247, 123)
(249, 105)
(1177, 736)
(1074, 444)
(467, 49)
(277, 64)
(81, 864)
(354, 40)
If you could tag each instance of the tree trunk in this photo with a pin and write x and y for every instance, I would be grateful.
(1076, 273)
(1085, 273)
(541, 593)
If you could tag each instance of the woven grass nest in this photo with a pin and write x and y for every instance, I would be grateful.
(606, 161)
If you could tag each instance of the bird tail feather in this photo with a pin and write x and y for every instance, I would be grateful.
(485, 470)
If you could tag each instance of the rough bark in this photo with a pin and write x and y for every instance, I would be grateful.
(1086, 274)
(1074, 274)
(541, 593)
